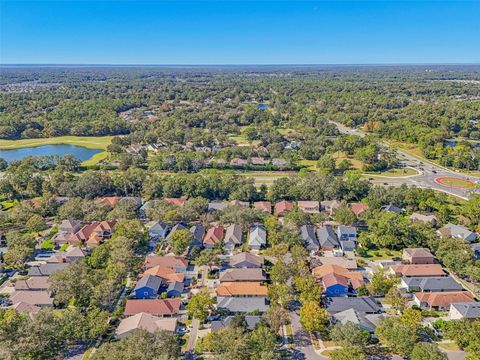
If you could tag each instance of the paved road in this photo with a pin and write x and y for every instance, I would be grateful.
(428, 171)
(303, 343)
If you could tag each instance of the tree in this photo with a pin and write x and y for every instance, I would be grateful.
(159, 345)
(380, 284)
(262, 343)
(396, 299)
(181, 239)
(344, 215)
(276, 316)
(427, 351)
(36, 223)
(200, 305)
(313, 317)
(308, 288)
(350, 334)
(401, 337)
(72, 284)
(348, 353)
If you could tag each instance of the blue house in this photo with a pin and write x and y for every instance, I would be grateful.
(147, 287)
(347, 232)
(175, 289)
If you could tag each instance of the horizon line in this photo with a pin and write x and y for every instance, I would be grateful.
(235, 65)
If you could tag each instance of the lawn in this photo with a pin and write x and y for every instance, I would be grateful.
(95, 159)
(264, 177)
(381, 254)
(339, 156)
(7, 204)
(47, 245)
(406, 171)
(452, 346)
(90, 142)
(455, 182)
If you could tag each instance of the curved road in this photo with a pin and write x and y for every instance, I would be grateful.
(428, 171)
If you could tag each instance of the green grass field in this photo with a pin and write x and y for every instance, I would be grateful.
(95, 159)
(90, 142)
(382, 254)
(456, 182)
(407, 171)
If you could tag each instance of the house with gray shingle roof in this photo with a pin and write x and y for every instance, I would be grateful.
(257, 237)
(247, 260)
(430, 284)
(179, 226)
(250, 320)
(242, 274)
(457, 231)
(243, 304)
(307, 232)
(327, 238)
(147, 287)
(233, 237)
(365, 304)
(158, 230)
(464, 310)
(46, 269)
(198, 232)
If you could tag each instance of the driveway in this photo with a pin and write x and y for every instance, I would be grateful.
(303, 343)
(193, 335)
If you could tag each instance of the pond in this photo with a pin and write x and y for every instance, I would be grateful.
(263, 106)
(80, 152)
(453, 143)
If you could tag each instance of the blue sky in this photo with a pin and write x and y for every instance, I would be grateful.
(231, 32)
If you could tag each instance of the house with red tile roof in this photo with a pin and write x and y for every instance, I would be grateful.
(213, 236)
(418, 256)
(157, 307)
(110, 201)
(441, 300)
(282, 208)
(358, 208)
(337, 280)
(178, 263)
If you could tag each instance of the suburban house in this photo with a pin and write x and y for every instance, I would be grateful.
(238, 162)
(457, 231)
(263, 206)
(148, 287)
(307, 232)
(178, 263)
(39, 298)
(243, 304)
(72, 253)
(327, 238)
(175, 289)
(109, 201)
(217, 205)
(418, 256)
(240, 203)
(257, 238)
(23, 307)
(33, 283)
(246, 260)
(430, 284)
(241, 289)
(158, 307)
(309, 207)
(358, 208)
(345, 232)
(176, 227)
(233, 237)
(198, 232)
(259, 161)
(46, 269)
(364, 304)
(417, 270)
(329, 206)
(280, 163)
(250, 320)
(157, 230)
(176, 201)
(243, 274)
(464, 310)
(424, 218)
(338, 281)
(167, 274)
(213, 236)
(282, 208)
(347, 263)
(393, 209)
(364, 320)
(441, 300)
(66, 230)
(146, 322)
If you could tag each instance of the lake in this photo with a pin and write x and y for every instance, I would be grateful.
(80, 152)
